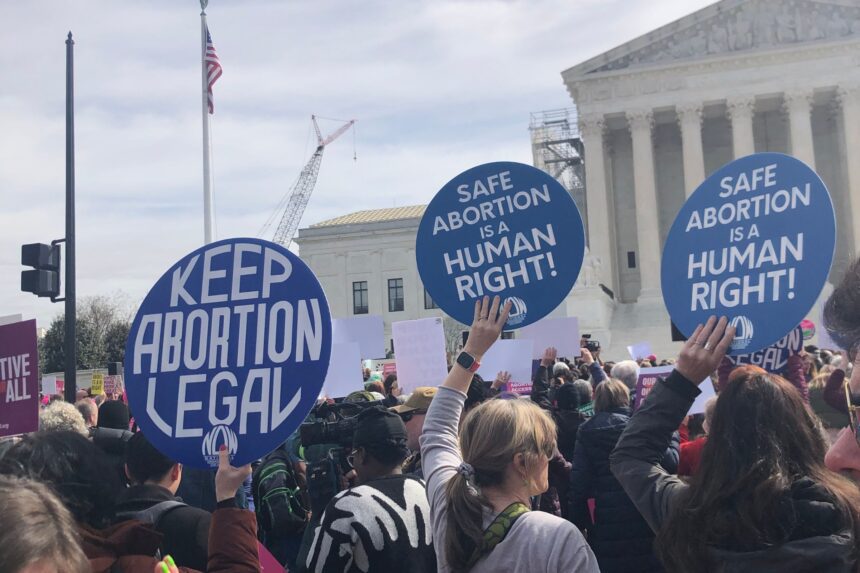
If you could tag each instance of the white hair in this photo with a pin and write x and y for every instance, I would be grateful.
(560, 369)
(62, 416)
(628, 372)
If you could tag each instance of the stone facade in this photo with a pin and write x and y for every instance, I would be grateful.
(660, 113)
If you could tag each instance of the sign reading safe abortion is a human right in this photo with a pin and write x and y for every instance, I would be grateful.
(504, 229)
(754, 243)
(229, 348)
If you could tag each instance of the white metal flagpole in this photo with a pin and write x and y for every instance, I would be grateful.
(208, 218)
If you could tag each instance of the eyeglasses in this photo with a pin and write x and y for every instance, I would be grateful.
(853, 413)
(406, 416)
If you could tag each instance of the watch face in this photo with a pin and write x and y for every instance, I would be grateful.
(465, 360)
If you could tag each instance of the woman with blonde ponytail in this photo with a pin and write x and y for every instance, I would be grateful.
(479, 486)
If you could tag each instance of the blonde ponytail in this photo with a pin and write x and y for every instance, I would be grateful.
(491, 435)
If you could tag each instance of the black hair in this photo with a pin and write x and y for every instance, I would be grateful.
(144, 461)
(842, 310)
(78, 472)
(569, 397)
(477, 393)
(389, 383)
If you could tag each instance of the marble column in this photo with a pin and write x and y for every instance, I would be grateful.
(592, 127)
(798, 105)
(690, 121)
(849, 100)
(647, 218)
(740, 110)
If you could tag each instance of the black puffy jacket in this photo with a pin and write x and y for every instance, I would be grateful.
(621, 539)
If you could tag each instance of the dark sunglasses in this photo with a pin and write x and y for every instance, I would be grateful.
(406, 416)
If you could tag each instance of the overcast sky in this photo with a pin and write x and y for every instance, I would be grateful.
(436, 86)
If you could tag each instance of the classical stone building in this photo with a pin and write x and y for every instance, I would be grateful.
(366, 264)
(661, 112)
(657, 115)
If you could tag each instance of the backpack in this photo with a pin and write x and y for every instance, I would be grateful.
(278, 496)
(498, 530)
(152, 515)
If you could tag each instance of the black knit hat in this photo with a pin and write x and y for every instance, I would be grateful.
(113, 414)
(377, 426)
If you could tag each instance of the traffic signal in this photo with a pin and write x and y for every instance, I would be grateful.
(45, 279)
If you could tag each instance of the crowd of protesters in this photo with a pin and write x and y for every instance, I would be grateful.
(470, 477)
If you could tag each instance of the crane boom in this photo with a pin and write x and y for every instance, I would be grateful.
(301, 193)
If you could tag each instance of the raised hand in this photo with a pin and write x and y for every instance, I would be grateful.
(549, 356)
(502, 378)
(228, 479)
(587, 358)
(705, 349)
(486, 326)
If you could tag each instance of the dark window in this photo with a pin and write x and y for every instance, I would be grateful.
(395, 295)
(631, 259)
(428, 301)
(359, 297)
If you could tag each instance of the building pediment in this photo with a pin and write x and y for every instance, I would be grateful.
(728, 27)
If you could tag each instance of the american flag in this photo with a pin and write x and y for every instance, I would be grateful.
(213, 68)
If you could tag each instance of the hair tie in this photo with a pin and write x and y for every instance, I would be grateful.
(466, 470)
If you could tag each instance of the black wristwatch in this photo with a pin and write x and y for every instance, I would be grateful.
(468, 362)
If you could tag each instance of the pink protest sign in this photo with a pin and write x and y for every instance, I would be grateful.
(268, 563)
(19, 379)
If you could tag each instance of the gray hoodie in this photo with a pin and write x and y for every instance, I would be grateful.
(654, 492)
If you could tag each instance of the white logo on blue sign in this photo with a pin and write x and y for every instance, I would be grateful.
(229, 348)
(754, 243)
(504, 229)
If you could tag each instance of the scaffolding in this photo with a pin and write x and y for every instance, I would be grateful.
(557, 149)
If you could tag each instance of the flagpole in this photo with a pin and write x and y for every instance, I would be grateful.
(208, 219)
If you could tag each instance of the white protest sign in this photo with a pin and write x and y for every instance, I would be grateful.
(707, 388)
(640, 350)
(512, 356)
(49, 385)
(367, 331)
(419, 348)
(344, 370)
(560, 333)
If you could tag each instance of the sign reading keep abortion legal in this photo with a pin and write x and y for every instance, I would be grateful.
(754, 243)
(504, 229)
(230, 347)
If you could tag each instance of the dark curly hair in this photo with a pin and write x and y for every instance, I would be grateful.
(73, 467)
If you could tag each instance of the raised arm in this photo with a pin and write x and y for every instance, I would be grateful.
(636, 460)
(540, 381)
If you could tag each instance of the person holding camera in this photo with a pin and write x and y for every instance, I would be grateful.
(384, 522)
(480, 488)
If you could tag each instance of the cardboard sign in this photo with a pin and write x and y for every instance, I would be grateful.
(754, 243)
(505, 229)
(97, 386)
(419, 346)
(639, 351)
(512, 356)
(49, 385)
(19, 378)
(230, 347)
(344, 370)
(647, 378)
(774, 358)
(367, 331)
(560, 333)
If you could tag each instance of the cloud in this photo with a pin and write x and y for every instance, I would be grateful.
(436, 87)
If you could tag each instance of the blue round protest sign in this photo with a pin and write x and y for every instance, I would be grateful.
(754, 242)
(505, 229)
(230, 347)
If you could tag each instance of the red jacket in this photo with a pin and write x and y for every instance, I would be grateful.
(691, 456)
(131, 545)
